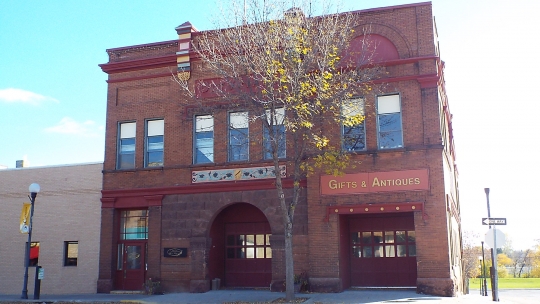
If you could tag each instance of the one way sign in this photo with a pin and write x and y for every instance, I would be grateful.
(493, 221)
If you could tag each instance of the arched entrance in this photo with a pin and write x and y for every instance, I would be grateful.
(240, 254)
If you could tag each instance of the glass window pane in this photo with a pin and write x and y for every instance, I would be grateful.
(127, 161)
(390, 122)
(155, 143)
(389, 251)
(155, 159)
(366, 237)
(259, 239)
(354, 138)
(412, 250)
(389, 236)
(120, 257)
(357, 251)
(250, 240)
(367, 251)
(400, 236)
(279, 136)
(230, 253)
(240, 253)
(238, 144)
(250, 253)
(268, 252)
(259, 252)
(389, 140)
(268, 239)
(401, 250)
(411, 236)
(204, 147)
(134, 225)
(378, 251)
(377, 237)
(127, 145)
(133, 258)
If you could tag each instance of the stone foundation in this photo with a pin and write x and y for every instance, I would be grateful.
(436, 286)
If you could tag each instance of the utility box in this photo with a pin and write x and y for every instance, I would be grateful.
(216, 283)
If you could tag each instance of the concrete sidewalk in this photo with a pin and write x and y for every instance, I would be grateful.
(262, 296)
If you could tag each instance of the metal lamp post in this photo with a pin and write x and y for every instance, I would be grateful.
(484, 270)
(481, 287)
(34, 190)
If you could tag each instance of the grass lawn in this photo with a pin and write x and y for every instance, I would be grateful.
(508, 283)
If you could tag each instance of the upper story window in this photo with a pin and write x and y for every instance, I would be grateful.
(276, 135)
(353, 127)
(203, 144)
(126, 146)
(390, 132)
(154, 143)
(238, 136)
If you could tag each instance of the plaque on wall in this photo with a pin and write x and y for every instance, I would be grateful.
(175, 252)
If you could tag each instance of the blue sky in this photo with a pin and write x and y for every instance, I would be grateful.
(53, 94)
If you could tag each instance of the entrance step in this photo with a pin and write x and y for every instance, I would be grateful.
(384, 288)
(127, 292)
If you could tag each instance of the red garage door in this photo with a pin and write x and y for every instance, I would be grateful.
(383, 251)
(248, 261)
(241, 255)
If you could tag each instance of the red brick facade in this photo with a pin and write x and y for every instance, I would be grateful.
(181, 213)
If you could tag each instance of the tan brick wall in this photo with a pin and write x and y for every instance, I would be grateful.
(67, 208)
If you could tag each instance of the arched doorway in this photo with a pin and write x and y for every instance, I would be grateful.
(240, 254)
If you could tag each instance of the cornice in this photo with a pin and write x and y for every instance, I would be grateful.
(139, 64)
(213, 187)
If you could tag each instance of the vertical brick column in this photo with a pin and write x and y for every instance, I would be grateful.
(278, 262)
(106, 263)
(200, 247)
(154, 242)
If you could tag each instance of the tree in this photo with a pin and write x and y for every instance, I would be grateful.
(471, 252)
(521, 261)
(535, 257)
(295, 74)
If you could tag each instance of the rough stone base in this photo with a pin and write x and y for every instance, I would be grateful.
(104, 285)
(436, 286)
(199, 286)
(325, 285)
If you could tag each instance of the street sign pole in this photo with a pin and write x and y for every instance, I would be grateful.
(495, 292)
(495, 265)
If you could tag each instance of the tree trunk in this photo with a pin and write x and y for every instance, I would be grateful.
(289, 265)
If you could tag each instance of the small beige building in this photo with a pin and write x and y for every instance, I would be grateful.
(65, 235)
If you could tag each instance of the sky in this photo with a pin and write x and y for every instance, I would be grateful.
(53, 93)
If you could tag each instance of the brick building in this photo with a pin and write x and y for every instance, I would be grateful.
(173, 211)
(65, 237)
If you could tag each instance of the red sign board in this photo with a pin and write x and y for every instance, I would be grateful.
(409, 180)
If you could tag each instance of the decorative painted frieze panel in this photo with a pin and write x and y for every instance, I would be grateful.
(236, 174)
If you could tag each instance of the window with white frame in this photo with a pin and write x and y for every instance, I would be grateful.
(126, 146)
(390, 132)
(154, 143)
(353, 127)
(238, 136)
(276, 134)
(204, 139)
